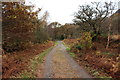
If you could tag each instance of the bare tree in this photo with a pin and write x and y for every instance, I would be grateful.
(93, 15)
(111, 8)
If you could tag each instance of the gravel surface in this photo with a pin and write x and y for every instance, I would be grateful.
(59, 64)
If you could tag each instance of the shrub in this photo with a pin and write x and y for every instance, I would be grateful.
(85, 41)
(15, 44)
(68, 49)
(78, 47)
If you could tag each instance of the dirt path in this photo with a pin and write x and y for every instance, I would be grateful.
(59, 64)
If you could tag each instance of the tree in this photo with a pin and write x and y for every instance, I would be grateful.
(53, 29)
(41, 35)
(92, 16)
(20, 23)
(109, 27)
(61, 32)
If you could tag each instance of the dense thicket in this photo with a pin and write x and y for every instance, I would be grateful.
(20, 26)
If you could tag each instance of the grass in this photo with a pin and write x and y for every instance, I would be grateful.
(68, 49)
(34, 62)
(27, 75)
(72, 54)
(56, 43)
(67, 46)
(107, 53)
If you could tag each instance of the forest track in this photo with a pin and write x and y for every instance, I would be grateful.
(59, 64)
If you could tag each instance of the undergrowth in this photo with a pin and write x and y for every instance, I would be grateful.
(33, 66)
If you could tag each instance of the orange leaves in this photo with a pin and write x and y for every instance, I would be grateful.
(17, 26)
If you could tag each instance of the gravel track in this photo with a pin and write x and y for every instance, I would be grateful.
(59, 64)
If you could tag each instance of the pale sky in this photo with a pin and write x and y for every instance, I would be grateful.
(62, 10)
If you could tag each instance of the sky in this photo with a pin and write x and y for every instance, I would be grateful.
(61, 10)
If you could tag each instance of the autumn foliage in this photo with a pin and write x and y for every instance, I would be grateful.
(19, 25)
(95, 55)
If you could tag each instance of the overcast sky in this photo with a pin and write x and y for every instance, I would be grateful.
(61, 10)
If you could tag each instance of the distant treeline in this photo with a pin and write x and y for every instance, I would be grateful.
(22, 28)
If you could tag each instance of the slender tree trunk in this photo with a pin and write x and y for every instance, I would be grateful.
(109, 30)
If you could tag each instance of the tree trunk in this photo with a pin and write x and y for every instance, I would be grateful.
(94, 34)
(109, 30)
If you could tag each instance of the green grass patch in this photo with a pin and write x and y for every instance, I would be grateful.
(72, 54)
(68, 49)
(27, 75)
(34, 62)
(64, 43)
(56, 43)
(105, 53)
(108, 54)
